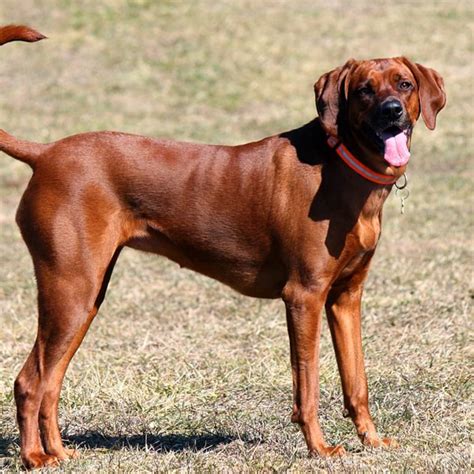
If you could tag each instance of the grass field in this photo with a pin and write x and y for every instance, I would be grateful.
(178, 372)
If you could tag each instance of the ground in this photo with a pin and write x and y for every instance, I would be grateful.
(178, 372)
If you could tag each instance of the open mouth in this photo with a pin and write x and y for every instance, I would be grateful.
(393, 143)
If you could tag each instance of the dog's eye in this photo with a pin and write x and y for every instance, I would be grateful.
(365, 90)
(405, 85)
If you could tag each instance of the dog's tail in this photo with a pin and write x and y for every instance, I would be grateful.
(19, 33)
(28, 152)
(24, 151)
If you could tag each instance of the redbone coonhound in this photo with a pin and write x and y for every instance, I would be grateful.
(295, 216)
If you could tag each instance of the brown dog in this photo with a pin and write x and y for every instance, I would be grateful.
(289, 216)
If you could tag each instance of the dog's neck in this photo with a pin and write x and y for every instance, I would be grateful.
(358, 166)
(350, 191)
(369, 158)
(364, 198)
(374, 185)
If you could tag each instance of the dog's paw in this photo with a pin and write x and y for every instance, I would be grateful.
(39, 460)
(68, 453)
(390, 443)
(64, 454)
(328, 451)
(374, 441)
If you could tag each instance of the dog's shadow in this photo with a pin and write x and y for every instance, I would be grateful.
(160, 443)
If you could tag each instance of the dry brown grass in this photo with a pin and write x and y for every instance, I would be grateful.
(178, 372)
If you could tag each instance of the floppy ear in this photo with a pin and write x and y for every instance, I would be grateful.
(431, 91)
(329, 91)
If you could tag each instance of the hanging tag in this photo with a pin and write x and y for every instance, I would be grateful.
(403, 195)
(402, 192)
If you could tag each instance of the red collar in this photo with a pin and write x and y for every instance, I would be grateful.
(353, 163)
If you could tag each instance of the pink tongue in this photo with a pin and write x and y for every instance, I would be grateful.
(396, 150)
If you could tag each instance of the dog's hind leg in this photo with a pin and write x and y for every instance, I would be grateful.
(48, 415)
(67, 305)
(72, 271)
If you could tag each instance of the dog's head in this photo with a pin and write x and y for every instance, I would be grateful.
(376, 103)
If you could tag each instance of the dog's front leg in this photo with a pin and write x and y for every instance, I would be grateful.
(344, 318)
(304, 328)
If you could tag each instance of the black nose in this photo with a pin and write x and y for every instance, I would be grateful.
(392, 109)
